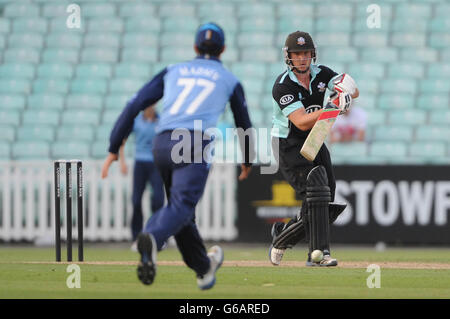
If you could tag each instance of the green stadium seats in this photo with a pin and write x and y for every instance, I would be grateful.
(95, 55)
(176, 9)
(433, 101)
(116, 101)
(360, 25)
(368, 86)
(178, 54)
(289, 10)
(13, 10)
(70, 150)
(433, 133)
(261, 54)
(140, 54)
(17, 70)
(29, 24)
(376, 117)
(55, 70)
(12, 101)
(230, 55)
(366, 70)
(442, 10)
(439, 70)
(15, 86)
(258, 9)
(45, 101)
(267, 102)
(215, 9)
(103, 132)
(49, 117)
(249, 69)
(97, 10)
(333, 24)
(132, 10)
(332, 39)
(5, 150)
(30, 150)
(395, 101)
(126, 85)
(394, 133)
(434, 86)
(143, 23)
(415, 10)
(84, 101)
(427, 149)
(5, 25)
(101, 39)
(140, 39)
(229, 23)
(440, 117)
(50, 85)
(349, 149)
(418, 55)
(252, 39)
(386, 149)
(94, 70)
(59, 24)
(112, 25)
(177, 39)
(110, 116)
(68, 55)
(366, 101)
(132, 69)
(26, 40)
(52, 10)
(399, 86)
(339, 55)
(86, 85)
(257, 24)
(404, 70)
(21, 55)
(288, 25)
(412, 39)
(386, 11)
(439, 24)
(370, 39)
(439, 40)
(8, 133)
(99, 149)
(80, 117)
(387, 55)
(174, 24)
(75, 133)
(407, 117)
(252, 84)
(409, 24)
(63, 40)
(340, 10)
(36, 132)
(10, 117)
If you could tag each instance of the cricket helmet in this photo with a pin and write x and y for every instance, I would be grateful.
(296, 42)
(210, 39)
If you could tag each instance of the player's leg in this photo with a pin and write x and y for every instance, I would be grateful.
(139, 182)
(157, 200)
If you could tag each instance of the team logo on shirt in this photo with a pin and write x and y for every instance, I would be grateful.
(286, 99)
(321, 86)
(301, 41)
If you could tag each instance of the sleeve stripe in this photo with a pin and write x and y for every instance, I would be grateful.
(291, 108)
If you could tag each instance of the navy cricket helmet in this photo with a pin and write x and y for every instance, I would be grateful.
(210, 39)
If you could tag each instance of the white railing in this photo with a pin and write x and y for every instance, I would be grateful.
(27, 202)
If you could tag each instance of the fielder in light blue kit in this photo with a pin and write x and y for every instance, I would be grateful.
(197, 90)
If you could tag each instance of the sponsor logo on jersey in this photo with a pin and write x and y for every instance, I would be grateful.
(286, 99)
(321, 86)
(312, 108)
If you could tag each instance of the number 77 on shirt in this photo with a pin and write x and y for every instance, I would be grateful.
(319, 132)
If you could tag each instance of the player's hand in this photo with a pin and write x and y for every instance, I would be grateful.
(342, 100)
(345, 83)
(245, 171)
(109, 159)
(124, 168)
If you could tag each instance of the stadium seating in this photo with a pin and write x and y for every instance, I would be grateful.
(58, 83)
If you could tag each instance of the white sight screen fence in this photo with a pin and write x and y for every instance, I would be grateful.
(27, 202)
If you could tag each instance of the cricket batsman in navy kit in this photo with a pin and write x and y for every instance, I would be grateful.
(299, 93)
(197, 90)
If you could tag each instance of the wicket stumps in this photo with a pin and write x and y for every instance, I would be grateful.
(57, 174)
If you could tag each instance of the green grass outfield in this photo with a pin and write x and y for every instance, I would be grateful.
(110, 272)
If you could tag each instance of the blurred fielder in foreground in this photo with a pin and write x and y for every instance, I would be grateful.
(299, 93)
(144, 169)
(195, 95)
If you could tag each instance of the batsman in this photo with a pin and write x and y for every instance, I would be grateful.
(299, 94)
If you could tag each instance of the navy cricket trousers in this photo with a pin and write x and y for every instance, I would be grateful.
(184, 184)
(144, 172)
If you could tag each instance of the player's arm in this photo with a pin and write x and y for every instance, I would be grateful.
(149, 94)
(304, 121)
(242, 121)
(123, 163)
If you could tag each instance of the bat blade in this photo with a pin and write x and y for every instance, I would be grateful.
(319, 133)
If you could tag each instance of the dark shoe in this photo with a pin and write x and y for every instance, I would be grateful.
(327, 261)
(146, 270)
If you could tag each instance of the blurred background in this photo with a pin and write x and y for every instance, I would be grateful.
(62, 88)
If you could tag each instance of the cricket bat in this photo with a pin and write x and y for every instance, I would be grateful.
(319, 132)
